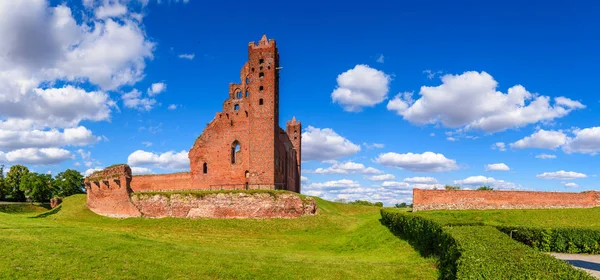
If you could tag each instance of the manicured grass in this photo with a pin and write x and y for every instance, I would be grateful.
(23, 207)
(581, 218)
(341, 242)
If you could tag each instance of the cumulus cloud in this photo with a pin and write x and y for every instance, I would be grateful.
(543, 139)
(561, 175)
(134, 100)
(140, 170)
(545, 156)
(497, 167)
(476, 104)
(382, 177)
(45, 156)
(585, 141)
(335, 184)
(421, 180)
(169, 160)
(156, 88)
(188, 56)
(500, 146)
(361, 87)
(425, 162)
(570, 185)
(91, 171)
(325, 144)
(349, 190)
(347, 168)
(18, 139)
(475, 181)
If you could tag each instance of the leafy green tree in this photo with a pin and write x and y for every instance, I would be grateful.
(485, 188)
(68, 183)
(401, 205)
(37, 186)
(2, 185)
(449, 187)
(13, 182)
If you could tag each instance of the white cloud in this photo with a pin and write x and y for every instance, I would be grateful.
(561, 175)
(156, 88)
(45, 156)
(304, 179)
(545, 156)
(134, 100)
(172, 107)
(586, 141)
(425, 162)
(140, 170)
(475, 181)
(431, 74)
(91, 171)
(497, 167)
(381, 59)
(169, 160)
(18, 139)
(421, 180)
(114, 9)
(325, 144)
(188, 56)
(348, 168)
(335, 184)
(361, 87)
(147, 144)
(570, 185)
(500, 146)
(373, 145)
(476, 104)
(543, 139)
(382, 177)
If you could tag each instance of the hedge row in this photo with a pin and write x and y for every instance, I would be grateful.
(561, 240)
(477, 252)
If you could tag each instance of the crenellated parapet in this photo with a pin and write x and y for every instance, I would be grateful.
(108, 192)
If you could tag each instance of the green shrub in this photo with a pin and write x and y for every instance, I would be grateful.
(475, 251)
(561, 240)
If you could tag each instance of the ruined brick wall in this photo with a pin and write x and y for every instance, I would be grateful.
(474, 199)
(224, 205)
(108, 192)
(250, 119)
(175, 181)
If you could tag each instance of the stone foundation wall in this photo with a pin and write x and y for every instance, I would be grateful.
(473, 199)
(224, 205)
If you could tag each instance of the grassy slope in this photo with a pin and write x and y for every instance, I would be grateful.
(23, 208)
(343, 241)
(584, 218)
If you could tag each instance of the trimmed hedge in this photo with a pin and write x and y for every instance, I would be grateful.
(476, 251)
(561, 240)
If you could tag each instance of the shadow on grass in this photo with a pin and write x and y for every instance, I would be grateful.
(46, 214)
(585, 264)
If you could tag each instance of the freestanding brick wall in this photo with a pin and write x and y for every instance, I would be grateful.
(474, 199)
(175, 181)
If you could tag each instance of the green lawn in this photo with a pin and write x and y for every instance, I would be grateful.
(581, 218)
(341, 242)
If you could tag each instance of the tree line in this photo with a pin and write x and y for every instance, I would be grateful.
(20, 185)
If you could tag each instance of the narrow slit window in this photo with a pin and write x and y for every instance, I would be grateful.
(261, 75)
(236, 107)
(261, 88)
(238, 95)
(260, 102)
(261, 61)
(247, 93)
(235, 149)
(205, 168)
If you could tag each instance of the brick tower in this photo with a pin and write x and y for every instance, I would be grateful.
(244, 145)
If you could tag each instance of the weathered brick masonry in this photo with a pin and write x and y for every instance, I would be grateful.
(243, 147)
(474, 199)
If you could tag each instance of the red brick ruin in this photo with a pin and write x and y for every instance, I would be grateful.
(242, 148)
(480, 200)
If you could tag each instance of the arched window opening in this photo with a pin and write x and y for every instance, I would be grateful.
(247, 174)
(261, 88)
(247, 80)
(236, 107)
(261, 75)
(235, 149)
(260, 102)
(238, 95)
(247, 93)
(246, 114)
(253, 69)
(261, 61)
(231, 122)
(205, 168)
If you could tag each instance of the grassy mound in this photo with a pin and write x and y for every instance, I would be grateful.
(23, 208)
(341, 242)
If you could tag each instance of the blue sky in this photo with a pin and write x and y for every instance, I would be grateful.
(392, 96)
